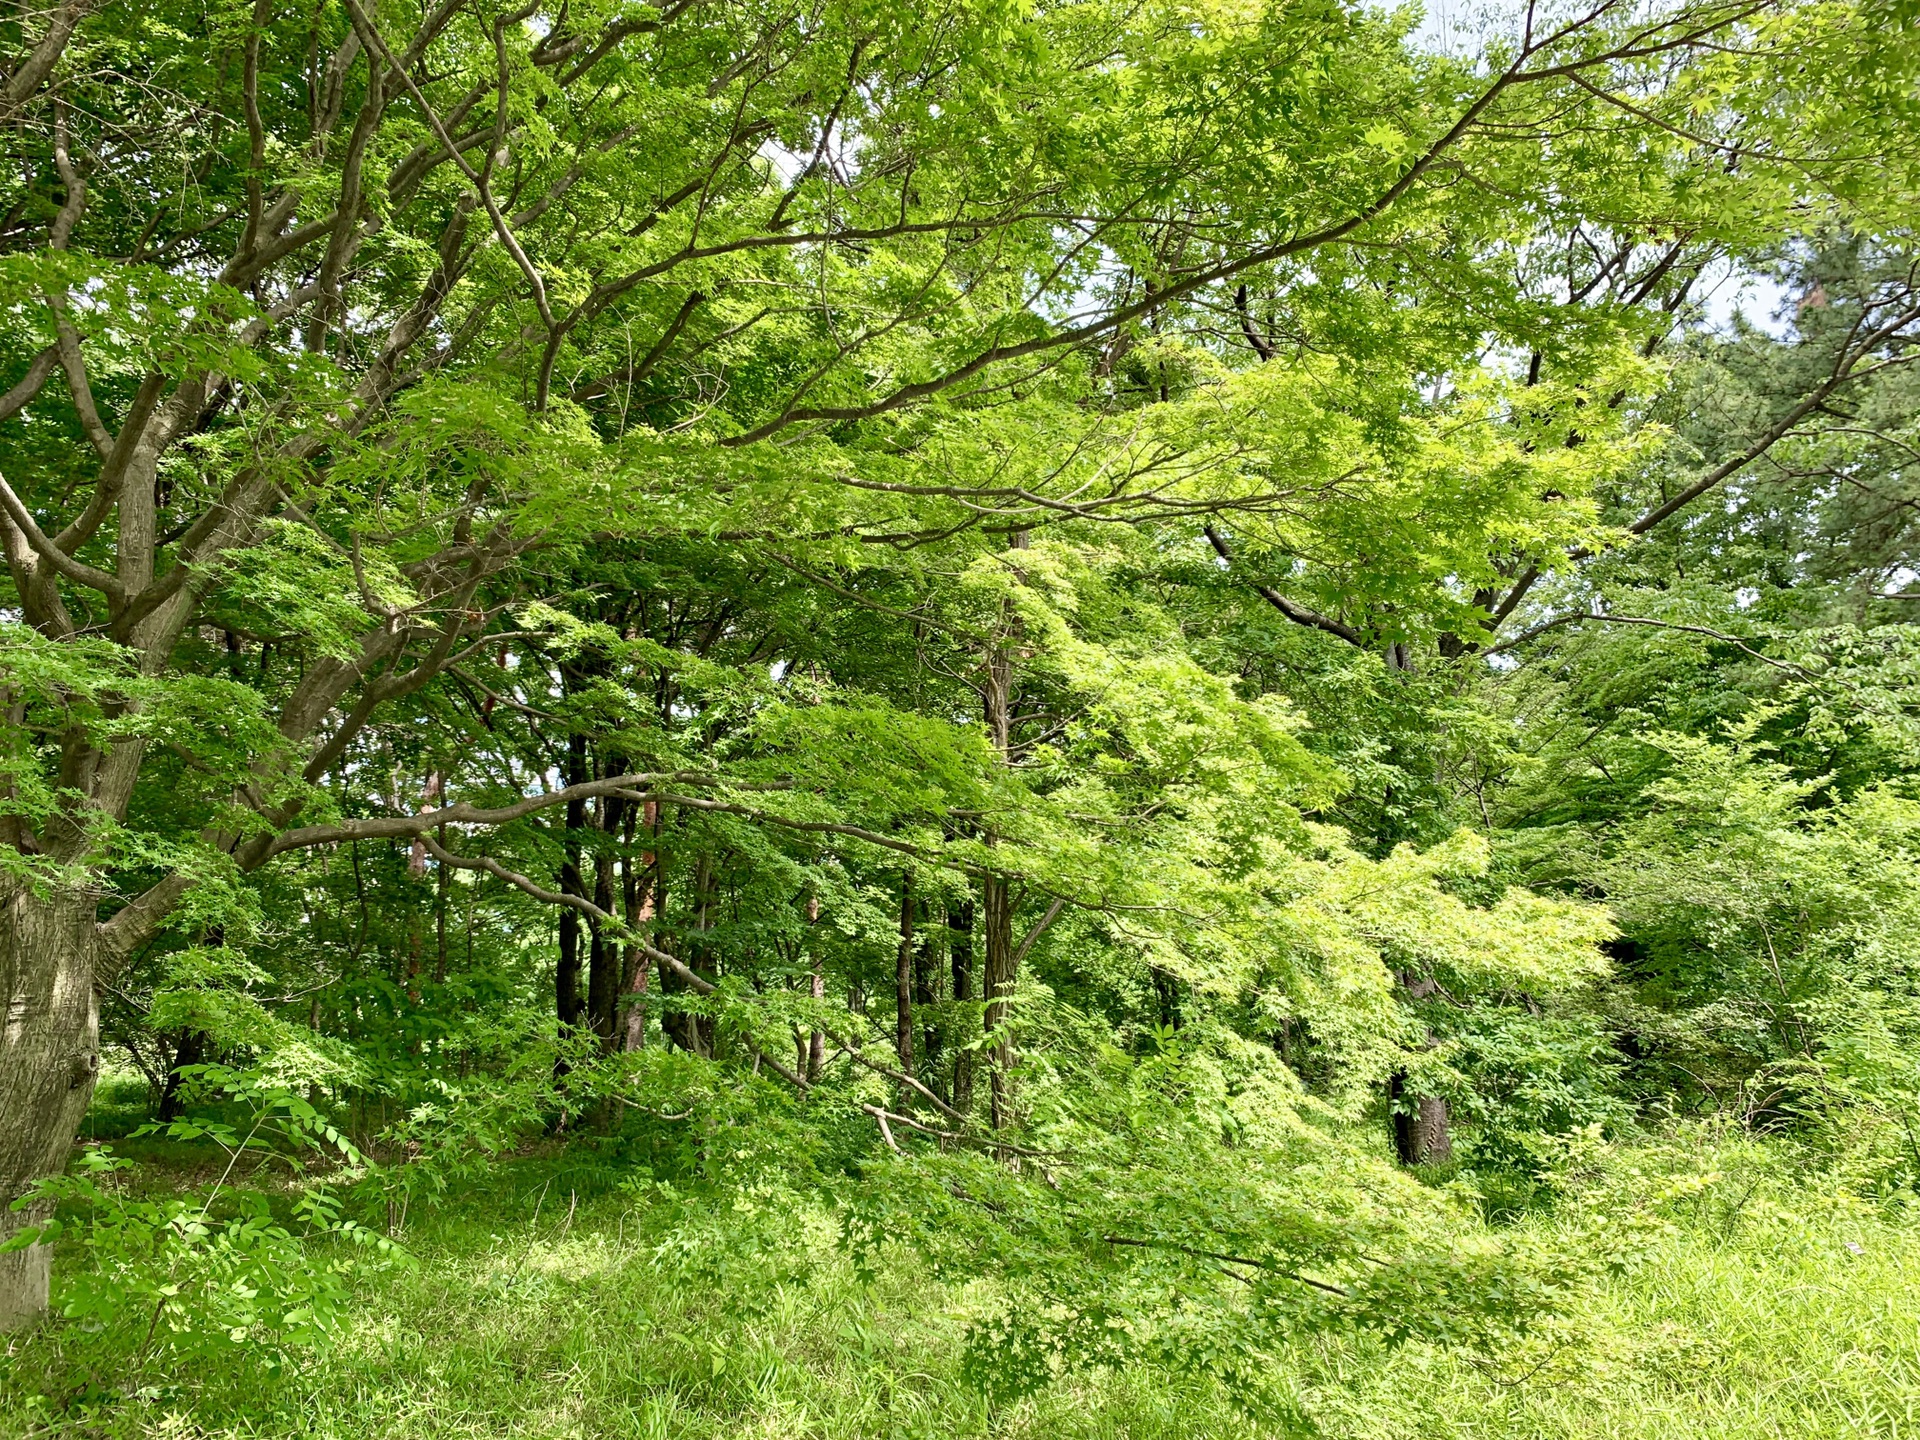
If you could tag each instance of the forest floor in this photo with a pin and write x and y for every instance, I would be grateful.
(555, 1300)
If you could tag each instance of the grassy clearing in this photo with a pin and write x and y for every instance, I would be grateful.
(552, 1306)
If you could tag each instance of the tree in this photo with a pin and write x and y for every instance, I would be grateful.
(1711, 728)
(335, 331)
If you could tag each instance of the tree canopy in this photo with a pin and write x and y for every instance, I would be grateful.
(1097, 626)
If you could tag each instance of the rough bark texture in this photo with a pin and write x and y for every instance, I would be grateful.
(1432, 1131)
(49, 1058)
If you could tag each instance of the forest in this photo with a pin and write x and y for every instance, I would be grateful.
(1056, 718)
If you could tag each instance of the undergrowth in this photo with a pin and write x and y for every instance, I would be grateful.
(569, 1297)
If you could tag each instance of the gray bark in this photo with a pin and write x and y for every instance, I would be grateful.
(49, 1059)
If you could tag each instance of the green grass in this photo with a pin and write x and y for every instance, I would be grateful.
(1766, 1307)
(1775, 1334)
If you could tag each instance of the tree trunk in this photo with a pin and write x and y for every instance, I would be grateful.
(996, 904)
(706, 889)
(903, 978)
(49, 1058)
(566, 975)
(1166, 990)
(189, 1048)
(926, 995)
(676, 1024)
(997, 920)
(817, 1040)
(960, 929)
(1422, 1137)
(1422, 1132)
(441, 879)
(640, 888)
(692, 1033)
(604, 952)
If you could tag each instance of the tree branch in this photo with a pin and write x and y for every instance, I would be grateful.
(1294, 611)
(30, 384)
(1040, 927)
(1533, 632)
(1266, 1265)
(46, 53)
(1515, 74)
(396, 827)
(43, 546)
(1843, 371)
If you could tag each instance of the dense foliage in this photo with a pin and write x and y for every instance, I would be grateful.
(1164, 660)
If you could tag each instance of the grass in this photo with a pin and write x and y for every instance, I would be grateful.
(1776, 1331)
(553, 1304)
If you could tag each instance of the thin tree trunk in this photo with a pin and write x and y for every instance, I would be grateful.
(996, 904)
(416, 872)
(926, 995)
(903, 978)
(566, 975)
(1166, 991)
(413, 954)
(704, 1028)
(604, 953)
(189, 1048)
(817, 1041)
(49, 1059)
(440, 916)
(690, 1032)
(960, 936)
(996, 915)
(639, 891)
